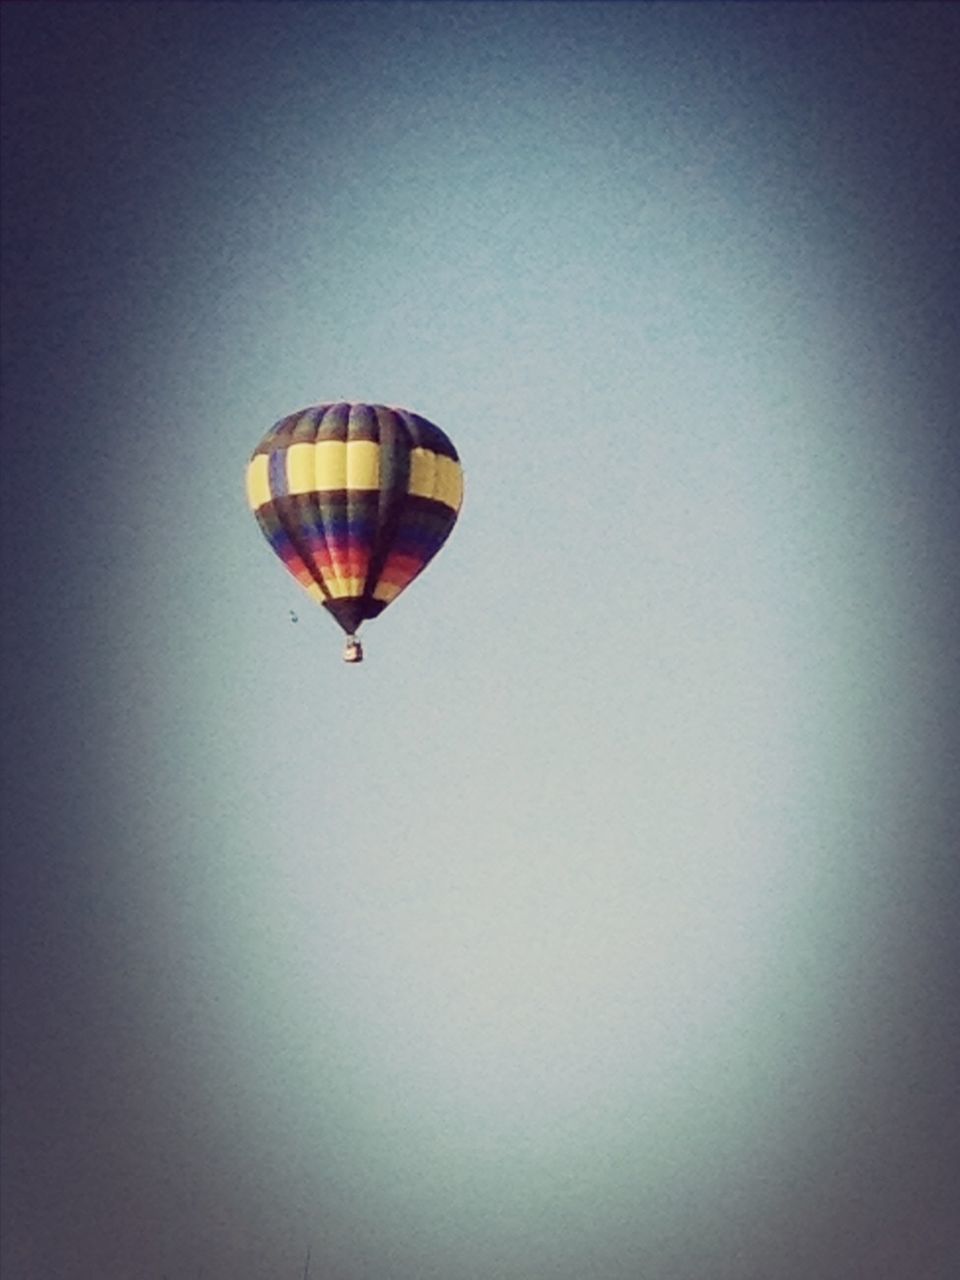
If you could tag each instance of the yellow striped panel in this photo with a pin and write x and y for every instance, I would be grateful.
(329, 464)
(332, 464)
(340, 465)
(434, 476)
(258, 481)
(300, 467)
(345, 588)
(386, 591)
(363, 464)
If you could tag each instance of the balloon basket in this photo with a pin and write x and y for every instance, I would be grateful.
(353, 650)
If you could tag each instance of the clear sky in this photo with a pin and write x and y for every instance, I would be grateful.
(603, 924)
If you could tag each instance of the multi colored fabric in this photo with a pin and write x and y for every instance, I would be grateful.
(356, 500)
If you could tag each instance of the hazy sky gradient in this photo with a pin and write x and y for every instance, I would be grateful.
(603, 923)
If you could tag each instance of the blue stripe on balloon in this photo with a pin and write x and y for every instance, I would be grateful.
(279, 539)
(362, 527)
(278, 474)
(415, 541)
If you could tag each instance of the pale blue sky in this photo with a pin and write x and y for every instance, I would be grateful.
(598, 925)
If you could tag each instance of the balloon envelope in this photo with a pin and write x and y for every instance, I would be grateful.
(356, 500)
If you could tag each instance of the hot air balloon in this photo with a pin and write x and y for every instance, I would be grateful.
(356, 500)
